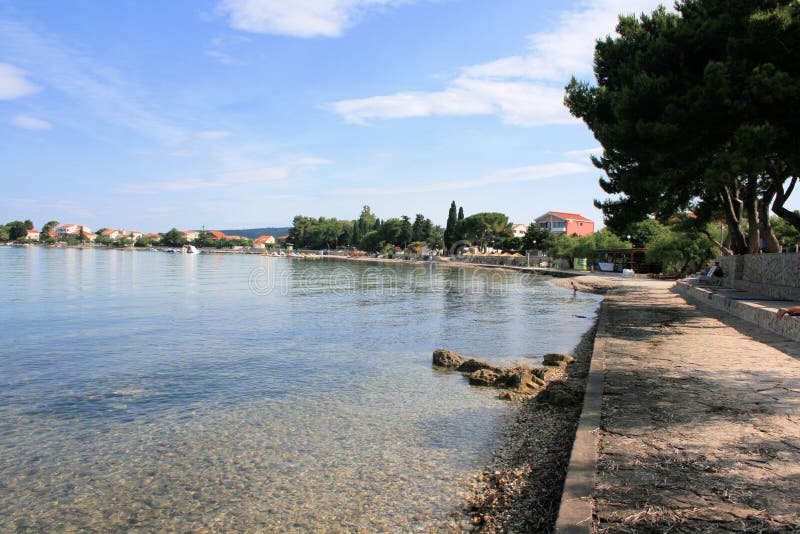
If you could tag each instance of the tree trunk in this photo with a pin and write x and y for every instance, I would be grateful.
(764, 226)
(781, 196)
(732, 210)
(751, 211)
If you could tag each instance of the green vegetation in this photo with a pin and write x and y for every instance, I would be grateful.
(699, 111)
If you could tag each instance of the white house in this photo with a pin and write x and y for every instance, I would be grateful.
(519, 230)
(71, 230)
(33, 235)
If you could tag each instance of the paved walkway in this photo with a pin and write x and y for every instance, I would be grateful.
(700, 419)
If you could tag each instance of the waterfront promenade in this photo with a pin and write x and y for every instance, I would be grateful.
(699, 420)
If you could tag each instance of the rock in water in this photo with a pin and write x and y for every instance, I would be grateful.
(471, 365)
(557, 360)
(446, 358)
(483, 377)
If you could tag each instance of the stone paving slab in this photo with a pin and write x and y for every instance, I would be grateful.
(700, 419)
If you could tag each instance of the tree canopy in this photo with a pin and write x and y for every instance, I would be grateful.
(698, 110)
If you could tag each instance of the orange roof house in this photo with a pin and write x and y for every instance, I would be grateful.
(33, 235)
(263, 240)
(561, 222)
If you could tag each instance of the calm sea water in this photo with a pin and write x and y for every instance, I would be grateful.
(233, 392)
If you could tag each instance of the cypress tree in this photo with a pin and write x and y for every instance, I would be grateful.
(450, 228)
(461, 213)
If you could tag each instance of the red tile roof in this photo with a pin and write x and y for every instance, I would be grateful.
(217, 235)
(570, 216)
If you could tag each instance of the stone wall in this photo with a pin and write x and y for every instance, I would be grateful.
(770, 275)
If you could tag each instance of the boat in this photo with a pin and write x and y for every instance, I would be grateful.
(190, 249)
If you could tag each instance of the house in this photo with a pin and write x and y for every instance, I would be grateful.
(112, 234)
(153, 237)
(191, 235)
(263, 241)
(519, 230)
(89, 236)
(32, 235)
(560, 222)
(215, 235)
(71, 230)
(134, 235)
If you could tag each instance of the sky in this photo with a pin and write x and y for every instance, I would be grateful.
(148, 115)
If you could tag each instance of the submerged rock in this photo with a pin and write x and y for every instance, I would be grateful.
(446, 358)
(557, 360)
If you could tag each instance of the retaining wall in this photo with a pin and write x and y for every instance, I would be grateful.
(768, 275)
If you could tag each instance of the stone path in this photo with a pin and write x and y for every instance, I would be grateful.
(700, 419)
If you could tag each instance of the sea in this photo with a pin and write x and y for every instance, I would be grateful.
(147, 391)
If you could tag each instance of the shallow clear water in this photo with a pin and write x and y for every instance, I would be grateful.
(240, 392)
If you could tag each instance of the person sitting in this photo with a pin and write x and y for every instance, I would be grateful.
(792, 311)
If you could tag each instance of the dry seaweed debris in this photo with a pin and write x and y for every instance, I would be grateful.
(521, 490)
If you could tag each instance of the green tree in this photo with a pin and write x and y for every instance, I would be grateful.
(174, 238)
(371, 242)
(535, 237)
(436, 238)
(511, 244)
(787, 234)
(680, 252)
(421, 229)
(643, 232)
(28, 224)
(484, 229)
(461, 213)
(696, 110)
(450, 228)
(16, 230)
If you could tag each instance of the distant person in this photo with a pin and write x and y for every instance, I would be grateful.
(574, 288)
(793, 310)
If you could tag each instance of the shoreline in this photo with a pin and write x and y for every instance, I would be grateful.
(520, 490)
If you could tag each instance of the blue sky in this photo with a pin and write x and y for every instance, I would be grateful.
(146, 115)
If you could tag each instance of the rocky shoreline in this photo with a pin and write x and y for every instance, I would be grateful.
(520, 490)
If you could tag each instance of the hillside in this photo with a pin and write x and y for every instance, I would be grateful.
(252, 233)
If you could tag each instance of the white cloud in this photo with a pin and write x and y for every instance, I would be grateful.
(30, 123)
(227, 179)
(14, 84)
(524, 90)
(504, 176)
(298, 18)
(99, 89)
(585, 153)
(214, 134)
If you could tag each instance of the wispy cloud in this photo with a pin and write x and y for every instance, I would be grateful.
(227, 179)
(214, 134)
(97, 88)
(524, 90)
(14, 83)
(56, 209)
(504, 176)
(299, 18)
(585, 153)
(30, 123)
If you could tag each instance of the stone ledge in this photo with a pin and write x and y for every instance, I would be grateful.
(575, 514)
(746, 306)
